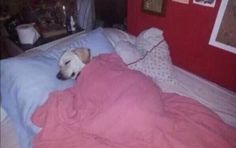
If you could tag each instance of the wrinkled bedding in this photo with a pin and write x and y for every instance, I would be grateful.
(111, 106)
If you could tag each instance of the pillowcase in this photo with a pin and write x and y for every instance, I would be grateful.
(95, 40)
(157, 61)
(127, 51)
(25, 84)
(27, 80)
(147, 39)
(115, 35)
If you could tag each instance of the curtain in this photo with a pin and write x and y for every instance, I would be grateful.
(86, 14)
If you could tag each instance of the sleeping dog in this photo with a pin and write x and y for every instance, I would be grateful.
(72, 62)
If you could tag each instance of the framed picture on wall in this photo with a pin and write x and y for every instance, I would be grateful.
(208, 3)
(224, 31)
(153, 6)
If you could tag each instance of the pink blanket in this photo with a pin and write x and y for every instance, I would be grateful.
(111, 106)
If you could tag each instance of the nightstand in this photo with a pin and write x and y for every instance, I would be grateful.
(14, 48)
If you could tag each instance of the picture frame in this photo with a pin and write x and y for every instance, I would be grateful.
(153, 6)
(207, 3)
(224, 32)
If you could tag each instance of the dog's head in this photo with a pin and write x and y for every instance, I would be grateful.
(72, 62)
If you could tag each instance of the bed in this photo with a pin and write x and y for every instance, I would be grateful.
(28, 82)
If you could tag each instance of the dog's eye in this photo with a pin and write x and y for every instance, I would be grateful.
(67, 62)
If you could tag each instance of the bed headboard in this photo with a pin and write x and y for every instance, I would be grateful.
(187, 29)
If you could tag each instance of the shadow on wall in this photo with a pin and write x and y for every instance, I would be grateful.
(111, 12)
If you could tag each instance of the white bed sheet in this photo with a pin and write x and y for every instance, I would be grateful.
(217, 98)
(8, 137)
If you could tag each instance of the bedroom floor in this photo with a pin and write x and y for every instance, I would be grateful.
(8, 137)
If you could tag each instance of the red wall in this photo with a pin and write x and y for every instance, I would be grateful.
(187, 29)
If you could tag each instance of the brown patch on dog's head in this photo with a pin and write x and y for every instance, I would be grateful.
(83, 54)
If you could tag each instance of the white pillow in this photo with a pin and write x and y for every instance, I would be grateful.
(147, 39)
(115, 35)
(157, 61)
(127, 51)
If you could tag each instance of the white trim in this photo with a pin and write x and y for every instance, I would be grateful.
(216, 28)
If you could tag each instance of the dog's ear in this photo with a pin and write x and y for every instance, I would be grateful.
(83, 54)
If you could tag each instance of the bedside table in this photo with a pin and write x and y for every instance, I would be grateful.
(15, 48)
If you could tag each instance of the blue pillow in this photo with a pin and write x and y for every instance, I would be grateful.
(27, 80)
(95, 40)
(25, 84)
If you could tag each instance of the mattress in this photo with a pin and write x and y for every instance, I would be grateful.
(217, 98)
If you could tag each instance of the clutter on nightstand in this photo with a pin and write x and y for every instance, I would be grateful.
(27, 34)
(40, 23)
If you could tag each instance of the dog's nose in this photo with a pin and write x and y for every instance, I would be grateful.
(60, 76)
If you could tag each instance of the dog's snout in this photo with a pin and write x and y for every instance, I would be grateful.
(60, 76)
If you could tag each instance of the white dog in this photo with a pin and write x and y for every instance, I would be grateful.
(72, 62)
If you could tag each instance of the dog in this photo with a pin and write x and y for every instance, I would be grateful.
(72, 62)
